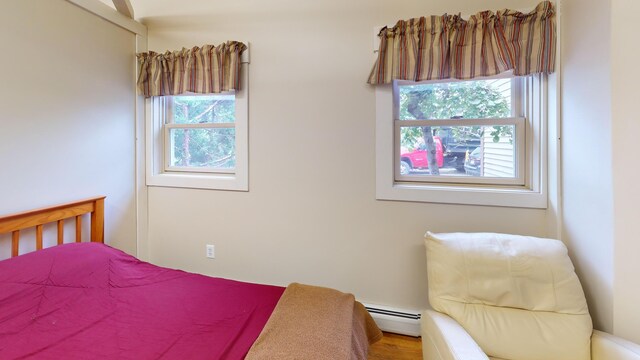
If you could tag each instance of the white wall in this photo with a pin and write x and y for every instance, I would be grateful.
(310, 215)
(600, 128)
(66, 114)
(586, 149)
(625, 50)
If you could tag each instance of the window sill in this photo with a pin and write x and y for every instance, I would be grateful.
(464, 195)
(199, 181)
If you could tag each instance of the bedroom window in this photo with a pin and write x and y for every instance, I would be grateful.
(199, 140)
(467, 132)
(199, 133)
(462, 142)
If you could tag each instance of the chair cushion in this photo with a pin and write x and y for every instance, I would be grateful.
(517, 296)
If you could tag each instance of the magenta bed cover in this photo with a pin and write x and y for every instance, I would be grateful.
(90, 301)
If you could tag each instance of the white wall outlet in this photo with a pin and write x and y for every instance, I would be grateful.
(211, 251)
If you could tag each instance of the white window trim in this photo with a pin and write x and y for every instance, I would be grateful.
(533, 194)
(238, 180)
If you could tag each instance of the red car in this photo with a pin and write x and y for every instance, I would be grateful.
(417, 159)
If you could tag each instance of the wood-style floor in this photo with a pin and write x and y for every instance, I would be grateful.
(396, 347)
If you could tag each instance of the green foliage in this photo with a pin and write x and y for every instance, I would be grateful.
(204, 109)
(204, 147)
(499, 131)
(454, 100)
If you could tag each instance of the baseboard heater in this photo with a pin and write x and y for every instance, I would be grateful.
(398, 321)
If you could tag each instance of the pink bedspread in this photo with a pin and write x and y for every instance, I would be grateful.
(90, 301)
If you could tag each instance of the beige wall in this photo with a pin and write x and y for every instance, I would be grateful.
(625, 50)
(311, 214)
(66, 114)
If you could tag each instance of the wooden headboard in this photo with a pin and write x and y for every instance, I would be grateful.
(14, 223)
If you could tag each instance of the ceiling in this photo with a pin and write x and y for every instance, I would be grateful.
(162, 8)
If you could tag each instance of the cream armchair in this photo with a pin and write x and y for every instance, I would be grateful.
(508, 297)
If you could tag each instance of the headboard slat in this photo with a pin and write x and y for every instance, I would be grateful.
(15, 243)
(39, 237)
(78, 228)
(60, 232)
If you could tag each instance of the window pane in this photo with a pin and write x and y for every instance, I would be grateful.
(211, 148)
(204, 109)
(473, 151)
(477, 99)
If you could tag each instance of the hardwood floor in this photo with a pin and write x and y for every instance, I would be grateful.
(396, 347)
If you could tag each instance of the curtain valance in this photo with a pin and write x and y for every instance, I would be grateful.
(442, 47)
(204, 70)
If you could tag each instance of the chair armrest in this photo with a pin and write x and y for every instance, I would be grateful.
(606, 347)
(444, 339)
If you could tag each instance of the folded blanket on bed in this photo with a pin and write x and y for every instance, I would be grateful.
(341, 327)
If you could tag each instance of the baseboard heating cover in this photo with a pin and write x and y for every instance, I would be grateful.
(398, 321)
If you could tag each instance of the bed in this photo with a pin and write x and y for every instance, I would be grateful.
(86, 300)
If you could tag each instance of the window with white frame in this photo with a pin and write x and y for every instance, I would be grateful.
(466, 142)
(199, 140)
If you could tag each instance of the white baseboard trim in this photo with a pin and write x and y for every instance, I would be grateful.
(398, 321)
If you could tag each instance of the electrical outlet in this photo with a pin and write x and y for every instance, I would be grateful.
(211, 251)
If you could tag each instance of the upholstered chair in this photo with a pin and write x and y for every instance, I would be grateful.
(508, 297)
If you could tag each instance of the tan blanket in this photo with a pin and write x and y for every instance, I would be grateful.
(312, 322)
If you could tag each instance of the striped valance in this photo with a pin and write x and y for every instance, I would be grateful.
(203, 70)
(442, 47)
